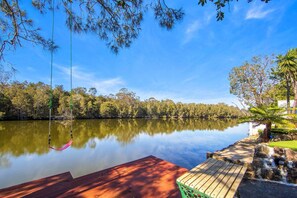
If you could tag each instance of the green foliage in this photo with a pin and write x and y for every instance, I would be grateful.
(108, 110)
(286, 73)
(268, 116)
(265, 115)
(220, 4)
(283, 130)
(284, 144)
(30, 101)
(117, 23)
(251, 82)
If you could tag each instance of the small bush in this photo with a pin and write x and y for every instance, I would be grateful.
(283, 130)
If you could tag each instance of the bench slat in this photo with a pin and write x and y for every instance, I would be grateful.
(187, 175)
(208, 174)
(211, 188)
(198, 174)
(236, 183)
(229, 183)
(214, 178)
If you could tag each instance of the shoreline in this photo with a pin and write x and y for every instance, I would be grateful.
(264, 163)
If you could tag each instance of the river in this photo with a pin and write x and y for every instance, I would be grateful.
(99, 144)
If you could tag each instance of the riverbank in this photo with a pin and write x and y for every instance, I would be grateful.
(271, 172)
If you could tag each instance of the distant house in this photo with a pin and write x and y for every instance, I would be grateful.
(283, 103)
(254, 128)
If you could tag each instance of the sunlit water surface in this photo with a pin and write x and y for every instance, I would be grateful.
(99, 144)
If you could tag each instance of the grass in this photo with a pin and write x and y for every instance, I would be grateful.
(285, 144)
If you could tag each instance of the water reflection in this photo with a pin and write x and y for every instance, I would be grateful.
(21, 137)
(99, 144)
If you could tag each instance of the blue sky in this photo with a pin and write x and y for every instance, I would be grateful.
(190, 63)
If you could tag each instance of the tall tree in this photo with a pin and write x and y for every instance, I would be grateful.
(251, 82)
(286, 71)
(288, 68)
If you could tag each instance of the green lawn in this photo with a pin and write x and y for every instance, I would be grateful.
(285, 144)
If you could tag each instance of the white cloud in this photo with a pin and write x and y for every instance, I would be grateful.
(257, 12)
(191, 30)
(88, 79)
(197, 25)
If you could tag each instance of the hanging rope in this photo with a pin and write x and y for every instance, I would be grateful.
(51, 75)
(71, 99)
(68, 144)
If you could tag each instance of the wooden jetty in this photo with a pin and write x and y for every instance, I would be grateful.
(146, 177)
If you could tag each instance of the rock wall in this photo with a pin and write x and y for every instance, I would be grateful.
(274, 164)
(283, 137)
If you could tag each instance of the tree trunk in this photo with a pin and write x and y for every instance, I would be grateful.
(295, 97)
(288, 95)
(267, 132)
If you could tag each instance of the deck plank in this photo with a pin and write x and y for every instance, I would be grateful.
(213, 186)
(237, 182)
(229, 183)
(209, 174)
(215, 177)
(196, 174)
(27, 188)
(188, 175)
(223, 182)
(146, 177)
(152, 181)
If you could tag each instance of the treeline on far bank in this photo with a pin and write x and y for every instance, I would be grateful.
(30, 101)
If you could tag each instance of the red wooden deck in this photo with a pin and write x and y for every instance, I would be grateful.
(146, 177)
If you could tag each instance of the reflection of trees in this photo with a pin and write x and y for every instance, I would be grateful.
(4, 161)
(20, 137)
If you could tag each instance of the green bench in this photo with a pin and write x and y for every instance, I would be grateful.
(212, 178)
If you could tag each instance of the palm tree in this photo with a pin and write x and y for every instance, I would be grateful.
(268, 116)
(287, 69)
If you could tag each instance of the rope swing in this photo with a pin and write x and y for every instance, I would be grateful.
(68, 144)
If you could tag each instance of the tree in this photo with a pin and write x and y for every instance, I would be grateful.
(251, 82)
(268, 115)
(287, 70)
(108, 110)
(220, 4)
(285, 73)
(5, 75)
(117, 22)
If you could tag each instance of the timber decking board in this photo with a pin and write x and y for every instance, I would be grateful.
(27, 188)
(204, 174)
(186, 176)
(218, 179)
(236, 183)
(153, 181)
(197, 172)
(209, 175)
(229, 183)
(214, 178)
(146, 177)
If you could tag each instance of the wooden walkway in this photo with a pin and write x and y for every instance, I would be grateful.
(212, 178)
(146, 177)
(242, 152)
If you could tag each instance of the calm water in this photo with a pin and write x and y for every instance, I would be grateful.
(99, 144)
